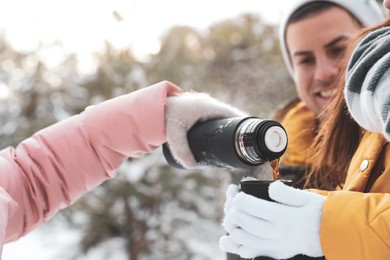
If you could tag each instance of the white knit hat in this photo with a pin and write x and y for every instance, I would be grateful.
(368, 12)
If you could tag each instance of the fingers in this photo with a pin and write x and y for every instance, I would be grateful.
(244, 244)
(256, 207)
(280, 230)
(252, 225)
(288, 195)
(228, 245)
(228, 226)
(245, 238)
(231, 191)
(291, 196)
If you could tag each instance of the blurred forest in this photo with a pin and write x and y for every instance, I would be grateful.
(155, 211)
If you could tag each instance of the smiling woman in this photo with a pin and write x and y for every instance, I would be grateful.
(317, 62)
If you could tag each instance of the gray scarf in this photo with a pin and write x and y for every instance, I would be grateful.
(367, 91)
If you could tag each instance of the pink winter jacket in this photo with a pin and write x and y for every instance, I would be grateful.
(58, 164)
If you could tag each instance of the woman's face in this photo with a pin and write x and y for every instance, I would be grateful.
(316, 45)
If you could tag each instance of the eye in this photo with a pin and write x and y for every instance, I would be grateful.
(305, 60)
(337, 52)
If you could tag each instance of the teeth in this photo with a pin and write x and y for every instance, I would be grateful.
(328, 93)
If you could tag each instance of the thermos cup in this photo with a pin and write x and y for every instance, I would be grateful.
(259, 189)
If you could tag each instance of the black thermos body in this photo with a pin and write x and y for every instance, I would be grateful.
(239, 142)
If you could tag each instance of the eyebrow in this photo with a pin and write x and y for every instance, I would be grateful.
(336, 40)
(328, 45)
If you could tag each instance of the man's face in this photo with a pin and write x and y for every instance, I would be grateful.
(316, 46)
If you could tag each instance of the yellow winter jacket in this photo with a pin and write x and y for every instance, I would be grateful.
(300, 124)
(356, 225)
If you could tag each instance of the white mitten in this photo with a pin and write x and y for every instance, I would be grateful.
(225, 243)
(281, 229)
(182, 112)
(231, 191)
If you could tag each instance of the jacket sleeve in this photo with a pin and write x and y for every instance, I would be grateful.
(54, 167)
(356, 226)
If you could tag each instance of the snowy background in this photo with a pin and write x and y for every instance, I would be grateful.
(27, 24)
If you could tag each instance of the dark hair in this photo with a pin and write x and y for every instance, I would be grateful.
(314, 8)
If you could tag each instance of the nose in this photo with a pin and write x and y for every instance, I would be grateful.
(326, 69)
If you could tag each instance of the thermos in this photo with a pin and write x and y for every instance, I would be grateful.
(239, 142)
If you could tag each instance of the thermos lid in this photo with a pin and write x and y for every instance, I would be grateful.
(275, 139)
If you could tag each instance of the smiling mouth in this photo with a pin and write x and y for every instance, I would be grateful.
(327, 93)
